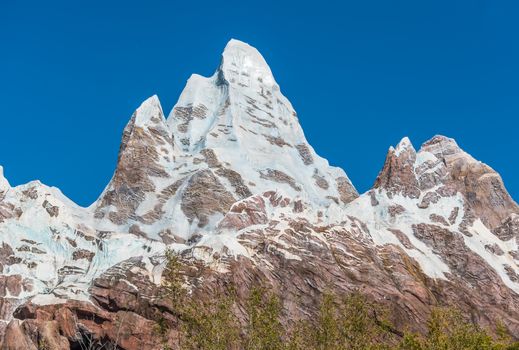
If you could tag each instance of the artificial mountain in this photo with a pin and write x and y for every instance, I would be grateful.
(230, 183)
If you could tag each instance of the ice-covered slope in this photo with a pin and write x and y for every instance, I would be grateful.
(241, 116)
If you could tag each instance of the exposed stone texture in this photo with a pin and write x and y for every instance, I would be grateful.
(402, 238)
(16, 338)
(494, 248)
(205, 196)
(236, 181)
(66, 327)
(278, 141)
(321, 181)
(386, 274)
(395, 210)
(6, 254)
(374, 201)
(139, 161)
(83, 254)
(481, 186)
(430, 197)
(51, 209)
(10, 285)
(453, 171)
(438, 219)
(509, 228)
(243, 214)
(305, 154)
(346, 191)
(454, 215)
(279, 176)
(187, 114)
(397, 175)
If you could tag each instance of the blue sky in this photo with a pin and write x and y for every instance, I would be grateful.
(361, 74)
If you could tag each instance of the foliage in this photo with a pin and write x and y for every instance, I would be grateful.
(210, 325)
(173, 281)
(264, 330)
(447, 329)
(350, 322)
(347, 322)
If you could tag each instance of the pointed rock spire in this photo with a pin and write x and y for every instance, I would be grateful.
(398, 175)
(442, 147)
(404, 145)
(242, 63)
(242, 120)
(145, 157)
(150, 111)
(442, 169)
(196, 111)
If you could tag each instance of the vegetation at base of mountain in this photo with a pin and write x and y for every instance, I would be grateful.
(346, 322)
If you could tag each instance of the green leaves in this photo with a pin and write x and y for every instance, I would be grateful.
(210, 325)
(346, 322)
(350, 322)
(448, 329)
(264, 330)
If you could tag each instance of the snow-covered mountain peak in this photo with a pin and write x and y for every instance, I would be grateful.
(404, 145)
(230, 179)
(442, 169)
(241, 61)
(447, 149)
(229, 136)
(149, 110)
(238, 119)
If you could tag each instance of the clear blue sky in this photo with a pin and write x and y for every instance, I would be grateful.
(361, 74)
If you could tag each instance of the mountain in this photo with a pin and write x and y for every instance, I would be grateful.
(230, 183)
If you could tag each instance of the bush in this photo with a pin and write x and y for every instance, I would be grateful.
(210, 325)
(264, 330)
(447, 329)
(348, 322)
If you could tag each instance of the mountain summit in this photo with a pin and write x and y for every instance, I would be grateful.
(228, 137)
(229, 182)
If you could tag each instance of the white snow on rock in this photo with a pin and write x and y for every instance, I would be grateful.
(481, 238)
(242, 116)
(149, 109)
(403, 145)
(379, 222)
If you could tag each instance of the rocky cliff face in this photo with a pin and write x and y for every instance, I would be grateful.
(229, 181)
